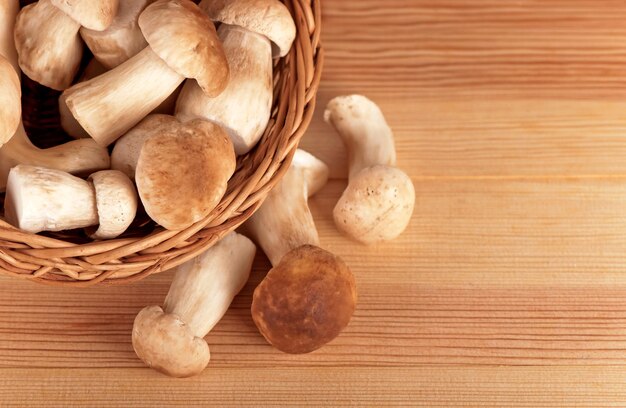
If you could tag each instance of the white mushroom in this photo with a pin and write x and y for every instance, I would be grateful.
(171, 340)
(40, 199)
(122, 40)
(116, 199)
(309, 296)
(48, 41)
(183, 44)
(378, 204)
(92, 70)
(248, 31)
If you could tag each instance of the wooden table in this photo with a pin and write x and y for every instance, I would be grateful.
(508, 289)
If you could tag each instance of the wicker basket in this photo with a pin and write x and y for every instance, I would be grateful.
(70, 258)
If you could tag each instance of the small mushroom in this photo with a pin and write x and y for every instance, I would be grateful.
(116, 200)
(183, 170)
(183, 44)
(309, 296)
(248, 31)
(122, 40)
(40, 199)
(10, 100)
(48, 41)
(378, 204)
(171, 340)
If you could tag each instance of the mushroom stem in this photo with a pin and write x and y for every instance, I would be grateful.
(203, 288)
(40, 199)
(364, 131)
(284, 221)
(122, 40)
(171, 341)
(112, 103)
(76, 157)
(244, 107)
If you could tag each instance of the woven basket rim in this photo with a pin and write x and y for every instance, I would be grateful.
(60, 262)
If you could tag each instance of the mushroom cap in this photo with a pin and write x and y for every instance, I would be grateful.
(186, 39)
(270, 18)
(116, 200)
(305, 301)
(10, 101)
(122, 40)
(93, 14)
(165, 343)
(377, 205)
(126, 152)
(51, 60)
(183, 172)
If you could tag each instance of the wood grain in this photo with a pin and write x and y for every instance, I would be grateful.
(508, 288)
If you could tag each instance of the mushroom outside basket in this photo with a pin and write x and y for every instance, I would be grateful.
(71, 258)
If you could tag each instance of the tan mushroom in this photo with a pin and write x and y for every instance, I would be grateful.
(48, 41)
(183, 44)
(8, 13)
(378, 204)
(10, 92)
(171, 340)
(183, 170)
(40, 199)
(10, 101)
(248, 31)
(77, 157)
(122, 40)
(309, 296)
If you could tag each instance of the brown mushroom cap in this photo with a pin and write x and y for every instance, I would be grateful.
(10, 101)
(186, 39)
(165, 343)
(305, 301)
(183, 171)
(377, 205)
(270, 18)
(93, 14)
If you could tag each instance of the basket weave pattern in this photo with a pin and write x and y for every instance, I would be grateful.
(69, 258)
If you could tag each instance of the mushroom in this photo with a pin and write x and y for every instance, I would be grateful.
(183, 170)
(48, 41)
(249, 29)
(122, 40)
(171, 340)
(10, 100)
(40, 199)
(10, 92)
(309, 296)
(379, 201)
(92, 70)
(8, 13)
(125, 154)
(183, 44)
(76, 157)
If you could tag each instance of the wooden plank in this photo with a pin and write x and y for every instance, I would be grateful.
(487, 274)
(475, 136)
(380, 387)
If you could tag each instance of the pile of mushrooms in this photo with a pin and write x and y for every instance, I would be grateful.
(176, 101)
